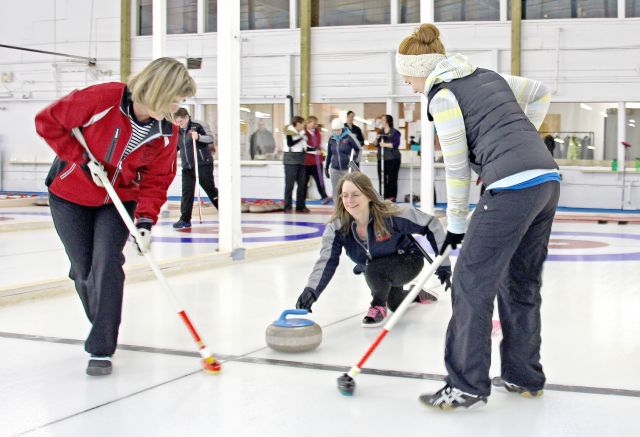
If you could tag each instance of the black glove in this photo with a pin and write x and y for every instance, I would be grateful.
(451, 240)
(306, 299)
(444, 274)
(359, 269)
(326, 172)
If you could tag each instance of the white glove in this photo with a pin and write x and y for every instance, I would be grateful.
(144, 244)
(96, 169)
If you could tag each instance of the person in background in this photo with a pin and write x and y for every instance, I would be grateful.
(342, 147)
(353, 128)
(388, 143)
(129, 130)
(313, 158)
(261, 141)
(293, 160)
(199, 131)
(488, 122)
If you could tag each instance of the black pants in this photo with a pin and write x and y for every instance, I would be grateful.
(295, 174)
(386, 276)
(391, 170)
(94, 238)
(311, 171)
(205, 178)
(503, 253)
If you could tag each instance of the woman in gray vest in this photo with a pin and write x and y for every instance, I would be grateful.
(478, 115)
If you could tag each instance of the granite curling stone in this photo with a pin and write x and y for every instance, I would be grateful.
(293, 335)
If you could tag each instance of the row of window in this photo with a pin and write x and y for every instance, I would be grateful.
(182, 16)
(576, 133)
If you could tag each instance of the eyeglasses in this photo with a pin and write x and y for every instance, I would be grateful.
(352, 195)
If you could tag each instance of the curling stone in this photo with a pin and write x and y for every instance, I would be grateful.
(293, 335)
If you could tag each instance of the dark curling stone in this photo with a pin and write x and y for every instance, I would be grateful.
(293, 335)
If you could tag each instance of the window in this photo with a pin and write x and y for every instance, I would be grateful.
(145, 17)
(633, 133)
(472, 10)
(579, 132)
(264, 14)
(633, 8)
(409, 11)
(348, 12)
(182, 16)
(549, 9)
(211, 12)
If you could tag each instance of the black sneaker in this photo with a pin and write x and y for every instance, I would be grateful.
(514, 388)
(449, 398)
(99, 365)
(375, 317)
(181, 224)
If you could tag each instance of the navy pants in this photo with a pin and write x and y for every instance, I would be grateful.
(94, 238)
(502, 254)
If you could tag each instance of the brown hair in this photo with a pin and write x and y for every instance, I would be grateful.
(379, 209)
(181, 112)
(159, 83)
(297, 119)
(423, 41)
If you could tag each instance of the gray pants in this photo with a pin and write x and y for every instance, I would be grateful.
(335, 176)
(503, 253)
(94, 238)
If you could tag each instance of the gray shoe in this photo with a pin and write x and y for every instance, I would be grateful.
(99, 366)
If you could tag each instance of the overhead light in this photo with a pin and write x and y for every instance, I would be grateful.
(585, 106)
(604, 114)
(632, 121)
(242, 108)
(631, 125)
(591, 147)
(243, 122)
(276, 130)
(362, 120)
(558, 140)
(262, 115)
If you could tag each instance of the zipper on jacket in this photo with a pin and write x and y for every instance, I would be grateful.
(186, 151)
(68, 172)
(366, 249)
(122, 158)
(112, 146)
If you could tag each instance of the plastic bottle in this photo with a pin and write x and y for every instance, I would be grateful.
(614, 165)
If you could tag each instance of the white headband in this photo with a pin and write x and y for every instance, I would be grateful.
(417, 65)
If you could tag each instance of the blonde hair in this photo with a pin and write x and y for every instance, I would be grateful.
(379, 209)
(311, 118)
(159, 83)
(424, 40)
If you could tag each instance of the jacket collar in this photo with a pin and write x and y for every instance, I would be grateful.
(164, 127)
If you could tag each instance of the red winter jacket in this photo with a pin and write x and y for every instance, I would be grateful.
(313, 142)
(101, 111)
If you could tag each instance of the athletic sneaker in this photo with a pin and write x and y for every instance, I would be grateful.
(425, 297)
(181, 224)
(448, 398)
(514, 388)
(375, 317)
(99, 365)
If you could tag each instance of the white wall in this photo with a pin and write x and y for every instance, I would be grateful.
(593, 60)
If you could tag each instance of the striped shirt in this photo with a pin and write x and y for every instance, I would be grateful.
(139, 132)
(532, 97)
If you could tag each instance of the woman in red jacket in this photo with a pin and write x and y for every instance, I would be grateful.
(313, 158)
(129, 130)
